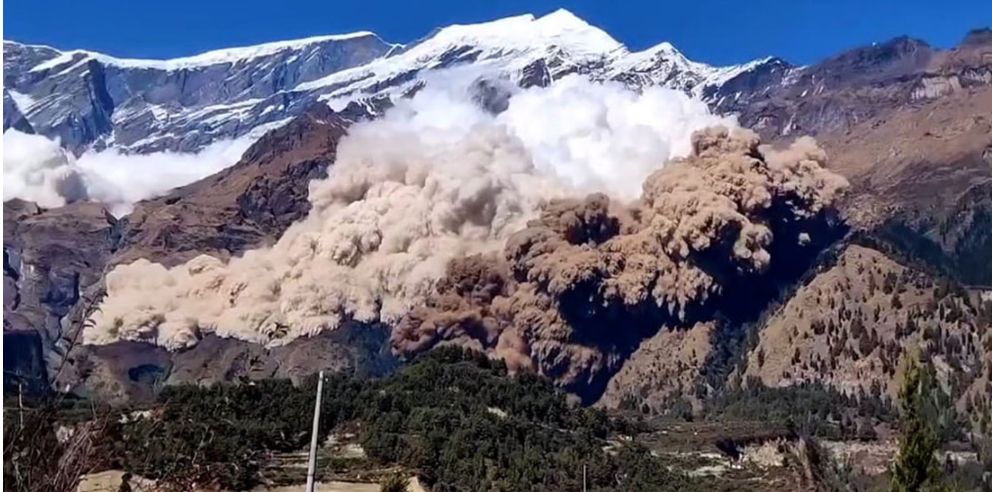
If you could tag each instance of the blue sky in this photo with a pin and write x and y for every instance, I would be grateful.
(714, 31)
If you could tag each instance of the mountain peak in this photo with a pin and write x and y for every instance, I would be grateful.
(526, 32)
(976, 37)
(663, 47)
(663, 51)
(565, 19)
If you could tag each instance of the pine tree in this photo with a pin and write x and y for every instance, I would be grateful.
(916, 468)
(394, 483)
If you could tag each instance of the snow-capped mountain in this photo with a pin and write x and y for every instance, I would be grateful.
(86, 98)
(92, 100)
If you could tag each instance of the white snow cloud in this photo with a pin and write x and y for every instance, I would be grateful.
(602, 136)
(37, 169)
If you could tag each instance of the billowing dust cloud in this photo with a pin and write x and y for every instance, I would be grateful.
(39, 170)
(574, 291)
(436, 179)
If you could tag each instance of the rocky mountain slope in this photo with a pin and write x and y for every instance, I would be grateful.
(849, 325)
(89, 99)
(53, 259)
(919, 164)
(907, 124)
(852, 324)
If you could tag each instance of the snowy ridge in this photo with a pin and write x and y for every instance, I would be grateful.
(87, 99)
(215, 57)
(565, 42)
(504, 45)
(721, 75)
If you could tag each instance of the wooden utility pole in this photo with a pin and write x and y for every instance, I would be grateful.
(20, 404)
(311, 467)
(583, 477)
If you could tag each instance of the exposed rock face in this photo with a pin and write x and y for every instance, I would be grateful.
(854, 86)
(50, 257)
(12, 116)
(134, 371)
(244, 206)
(921, 182)
(145, 105)
(24, 361)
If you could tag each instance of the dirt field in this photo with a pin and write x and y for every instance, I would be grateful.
(109, 481)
